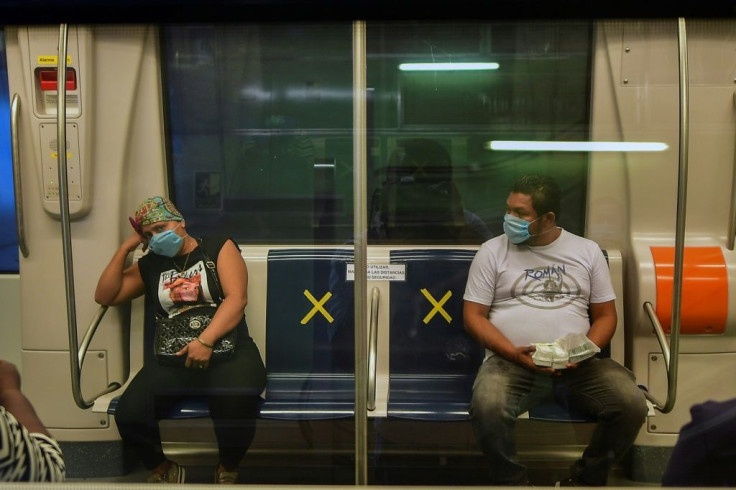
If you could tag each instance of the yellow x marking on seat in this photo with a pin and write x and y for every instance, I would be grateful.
(317, 307)
(437, 306)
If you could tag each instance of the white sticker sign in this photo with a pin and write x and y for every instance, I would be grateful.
(380, 272)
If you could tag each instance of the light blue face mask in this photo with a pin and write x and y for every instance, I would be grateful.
(517, 229)
(166, 243)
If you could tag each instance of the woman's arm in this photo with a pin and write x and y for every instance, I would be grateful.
(116, 284)
(233, 275)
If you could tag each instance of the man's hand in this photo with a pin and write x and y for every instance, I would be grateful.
(524, 358)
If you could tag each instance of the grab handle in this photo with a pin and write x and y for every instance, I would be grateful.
(670, 353)
(18, 188)
(372, 346)
(82, 353)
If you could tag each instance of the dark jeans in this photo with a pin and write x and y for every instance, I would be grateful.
(231, 387)
(600, 388)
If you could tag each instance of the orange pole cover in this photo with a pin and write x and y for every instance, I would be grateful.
(704, 304)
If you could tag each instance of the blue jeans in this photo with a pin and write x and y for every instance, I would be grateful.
(600, 388)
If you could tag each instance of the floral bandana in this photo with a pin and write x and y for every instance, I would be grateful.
(153, 210)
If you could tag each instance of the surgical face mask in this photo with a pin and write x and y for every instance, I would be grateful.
(517, 229)
(166, 243)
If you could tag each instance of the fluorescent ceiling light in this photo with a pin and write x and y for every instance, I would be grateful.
(447, 66)
(616, 146)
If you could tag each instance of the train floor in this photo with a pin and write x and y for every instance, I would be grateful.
(320, 454)
(339, 476)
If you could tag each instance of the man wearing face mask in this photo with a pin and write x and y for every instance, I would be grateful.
(536, 284)
(182, 274)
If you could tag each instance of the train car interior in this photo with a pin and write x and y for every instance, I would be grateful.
(359, 165)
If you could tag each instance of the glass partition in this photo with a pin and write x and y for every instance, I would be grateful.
(260, 134)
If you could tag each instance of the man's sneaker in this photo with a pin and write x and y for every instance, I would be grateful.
(175, 474)
(224, 477)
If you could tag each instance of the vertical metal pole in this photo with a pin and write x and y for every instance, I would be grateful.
(681, 215)
(731, 232)
(61, 149)
(360, 233)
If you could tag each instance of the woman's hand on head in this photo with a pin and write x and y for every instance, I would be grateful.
(133, 241)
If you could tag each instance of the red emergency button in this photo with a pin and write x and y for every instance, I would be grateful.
(47, 79)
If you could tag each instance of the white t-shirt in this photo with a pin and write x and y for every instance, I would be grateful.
(539, 294)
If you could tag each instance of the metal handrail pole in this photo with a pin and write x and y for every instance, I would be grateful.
(662, 339)
(61, 150)
(87, 339)
(731, 233)
(360, 228)
(671, 353)
(372, 349)
(76, 353)
(658, 331)
(82, 353)
(17, 186)
(681, 218)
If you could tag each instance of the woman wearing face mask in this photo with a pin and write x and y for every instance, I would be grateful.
(175, 258)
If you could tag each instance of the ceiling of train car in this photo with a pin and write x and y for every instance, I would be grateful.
(161, 11)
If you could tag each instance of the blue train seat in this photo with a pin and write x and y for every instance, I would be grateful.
(193, 407)
(433, 360)
(309, 339)
(310, 345)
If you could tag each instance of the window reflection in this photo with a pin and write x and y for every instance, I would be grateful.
(265, 112)
(260, 126)
(539, 91)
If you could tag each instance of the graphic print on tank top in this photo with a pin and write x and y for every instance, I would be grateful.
(181, 291)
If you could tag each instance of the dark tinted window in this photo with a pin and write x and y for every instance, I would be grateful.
(260, 127)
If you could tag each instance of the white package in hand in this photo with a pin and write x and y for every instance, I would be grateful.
(578, 347)
(550, 355)
(572, 348)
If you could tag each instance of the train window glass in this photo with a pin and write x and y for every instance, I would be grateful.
(432, 178)
(9, 237)
(260, 129)
(260, 126)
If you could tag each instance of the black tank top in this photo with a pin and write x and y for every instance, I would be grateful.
(174, 285)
